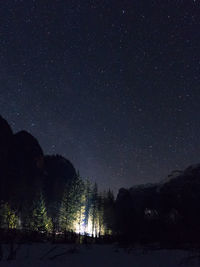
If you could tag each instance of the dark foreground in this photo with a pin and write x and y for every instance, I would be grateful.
(53, 255)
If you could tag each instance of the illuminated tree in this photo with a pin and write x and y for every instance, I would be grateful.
(100, 217)
(88, 201)
(39, 219)
(8, 218)
(72, 206)
(94, 209)
(65, 213)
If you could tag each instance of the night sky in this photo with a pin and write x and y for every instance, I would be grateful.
(112, 85)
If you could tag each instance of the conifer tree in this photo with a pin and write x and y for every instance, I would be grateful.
(72, 206)
(8, 217)
(94, 209)
(39, 219)
(109, 214)
(100, 215)
(88, 202)
(80, 203)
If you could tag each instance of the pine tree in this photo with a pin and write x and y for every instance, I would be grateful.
(39, 219)
(101, 227)
(88, 202)
(94, 210)
(109, 214)
(8, 217)
(64, 217)
(72, 206)
(80, 203)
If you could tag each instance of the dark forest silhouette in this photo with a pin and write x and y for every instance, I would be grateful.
(42, 196)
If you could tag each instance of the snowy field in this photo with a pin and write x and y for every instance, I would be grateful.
(53, 255)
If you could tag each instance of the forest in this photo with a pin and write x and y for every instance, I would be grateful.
(43, 197)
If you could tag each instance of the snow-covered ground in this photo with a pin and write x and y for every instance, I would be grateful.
(58, 255)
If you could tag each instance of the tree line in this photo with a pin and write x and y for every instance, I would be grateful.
(82, 210)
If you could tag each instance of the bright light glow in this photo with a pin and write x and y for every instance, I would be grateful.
(90, 228)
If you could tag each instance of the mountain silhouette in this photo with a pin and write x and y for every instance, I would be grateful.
(24, 169)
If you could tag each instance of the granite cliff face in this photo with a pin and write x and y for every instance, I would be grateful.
(172, 205)
(6, 135)
(24, 169)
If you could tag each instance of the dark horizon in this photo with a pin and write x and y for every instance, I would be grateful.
(112, 86)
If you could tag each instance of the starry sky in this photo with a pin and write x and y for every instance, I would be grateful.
(114, 86)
